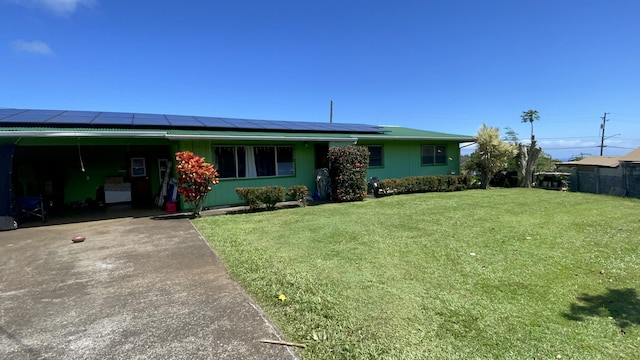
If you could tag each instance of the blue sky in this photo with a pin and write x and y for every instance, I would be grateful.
(435, 65)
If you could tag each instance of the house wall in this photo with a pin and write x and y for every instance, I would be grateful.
(403, 158)
(51, 166)
(400, 159)
(224, 192)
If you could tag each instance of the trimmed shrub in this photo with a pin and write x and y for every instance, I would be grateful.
(271, 195)
(255, 197)
(348, 172)
(299, 194)
(250, 197)
(418, 184)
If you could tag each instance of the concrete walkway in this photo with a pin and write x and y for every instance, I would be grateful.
(139, 288)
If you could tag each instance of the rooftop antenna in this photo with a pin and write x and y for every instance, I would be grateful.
(331, 112)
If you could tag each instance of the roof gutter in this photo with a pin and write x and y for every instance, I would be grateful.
(391, 137)
(258, 138)
(102, 134)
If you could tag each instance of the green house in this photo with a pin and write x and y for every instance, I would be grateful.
(76, 157)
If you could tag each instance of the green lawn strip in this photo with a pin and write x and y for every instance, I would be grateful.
(491, 274)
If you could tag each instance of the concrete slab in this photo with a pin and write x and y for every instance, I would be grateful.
(136, 288)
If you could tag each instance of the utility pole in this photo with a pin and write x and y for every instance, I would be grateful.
(604, 122)
(331, 112)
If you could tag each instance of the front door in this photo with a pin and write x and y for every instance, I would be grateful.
(140, 182)
(321, 152)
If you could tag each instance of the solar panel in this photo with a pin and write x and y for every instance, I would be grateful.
(66, 119)
(150, 119)
(112, 120)
(9, 112)
(30, 118)
(80, 113)
(215, 122)
(164, 121)
(276, 125)
(179, 120)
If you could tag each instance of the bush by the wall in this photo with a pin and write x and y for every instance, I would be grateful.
(418, 184)
(299, 194)
(348, 172)
(255, 197)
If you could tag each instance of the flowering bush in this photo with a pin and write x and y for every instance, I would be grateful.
(195, 178)
(348, 172)
(299, 194)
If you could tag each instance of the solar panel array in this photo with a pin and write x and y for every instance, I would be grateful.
(27, 117)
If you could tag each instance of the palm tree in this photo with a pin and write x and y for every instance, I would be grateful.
(530, 116)
(528, 156)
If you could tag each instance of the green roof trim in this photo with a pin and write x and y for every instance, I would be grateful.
(391, 133)
(403, 133)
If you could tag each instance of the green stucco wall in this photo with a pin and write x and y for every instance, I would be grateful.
(403, 158)
(224, 193)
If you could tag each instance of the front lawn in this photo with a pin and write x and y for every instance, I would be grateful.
(482, 274)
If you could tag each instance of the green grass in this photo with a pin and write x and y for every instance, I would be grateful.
(394, 278)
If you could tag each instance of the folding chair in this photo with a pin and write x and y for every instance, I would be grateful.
(28, 206)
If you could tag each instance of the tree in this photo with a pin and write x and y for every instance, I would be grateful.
(528, 155)
(492, 153)
(546, 162)
(530, 116)
(195, 178)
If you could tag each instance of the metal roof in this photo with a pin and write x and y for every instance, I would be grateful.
(633, 156)
(66, 118)
(604, 161)
(403, 133)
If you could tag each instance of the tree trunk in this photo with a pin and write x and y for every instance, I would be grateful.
(527, 164)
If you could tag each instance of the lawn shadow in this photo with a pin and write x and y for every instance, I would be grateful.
(623, 305)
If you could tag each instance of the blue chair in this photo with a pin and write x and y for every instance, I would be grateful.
(30, 206)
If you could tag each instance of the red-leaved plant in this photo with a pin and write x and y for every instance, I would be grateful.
(195, 178)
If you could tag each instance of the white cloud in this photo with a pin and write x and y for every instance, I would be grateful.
(58, 7)
(33, 47)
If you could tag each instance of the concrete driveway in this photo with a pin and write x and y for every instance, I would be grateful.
(137, 288)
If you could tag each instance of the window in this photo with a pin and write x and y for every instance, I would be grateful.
(253, 161)
(434, 155)
(138, 167)
(375, 156)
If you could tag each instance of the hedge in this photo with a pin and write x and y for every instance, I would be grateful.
(420, 184)
(255, 197)
(269, 196)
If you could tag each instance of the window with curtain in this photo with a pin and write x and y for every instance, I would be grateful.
(253, 161)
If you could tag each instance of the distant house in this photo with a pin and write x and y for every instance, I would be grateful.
(74, 157)
(606, 174)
